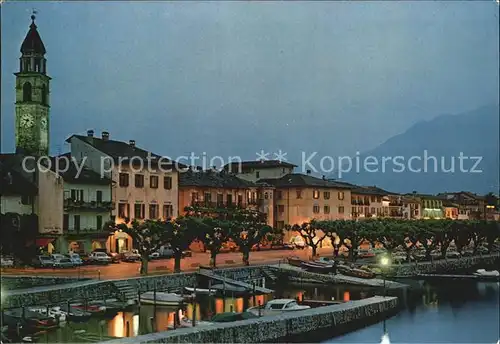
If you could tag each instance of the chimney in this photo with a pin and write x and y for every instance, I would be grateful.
(131, 143)
(90, 133)
(308, 172)
(105, 135)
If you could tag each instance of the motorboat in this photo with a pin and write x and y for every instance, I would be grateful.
(228, 288)
(355, 272)
(295, 261)
(484, 274)
(53, 312)
(29, 320)
(90, 308)
(277, 306)
(75, 314)
(199, 291)
(316, 267)
(161, 298)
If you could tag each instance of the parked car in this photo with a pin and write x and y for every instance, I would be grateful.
(6, 262)
(115, 257)
(130, 256)
(43, 262)
(61, 261)
(99, 258)
(75, 259)
(187, 253)
(155, 255)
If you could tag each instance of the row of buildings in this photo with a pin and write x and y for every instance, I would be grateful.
(72, 202)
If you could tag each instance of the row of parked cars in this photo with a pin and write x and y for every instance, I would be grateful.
(99, 256)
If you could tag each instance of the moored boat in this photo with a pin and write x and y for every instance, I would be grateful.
(320, 268)
(484, 274)
(295, 261)
(161, 298)
(199, 291)
(277, 306)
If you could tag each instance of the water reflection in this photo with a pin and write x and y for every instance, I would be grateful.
(458, 312)
(148, 318)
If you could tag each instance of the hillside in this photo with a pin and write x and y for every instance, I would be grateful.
(474, 134)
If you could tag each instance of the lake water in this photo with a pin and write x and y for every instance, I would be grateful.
(456, 312)
(147, 318)
(437, 313)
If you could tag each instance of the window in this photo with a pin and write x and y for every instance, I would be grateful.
(139, 180)
(240, 200)
(229, 199)
(341, 209)
(299, 193)
(76, 195)
(121, 210)
(326, 209)
(220, 200)
(316, 209)
(194, 198)
(65, 222)
(281, 208)
(153, 182)
(373, 198)
(27, 92)
(257, 175)
(168, 211)
(99, 222)
(373, 210)
(280, 224)
(167, 183)
(153, 211)
(139, 210)
(26, 199)
(266, 195)
(279, 194)
(123, 180)
(98, 196)
(76, 220)
(315, 194)
(341, 195)
(326, 195)
(254, 195)
(284, 170)
(207, 198)
(44, 95)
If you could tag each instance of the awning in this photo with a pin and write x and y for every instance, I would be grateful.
(41, 242)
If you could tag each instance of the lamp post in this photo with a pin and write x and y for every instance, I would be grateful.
(385, 263)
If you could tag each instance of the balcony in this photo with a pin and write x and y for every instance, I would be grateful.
(76, 205)
(359, 202)
(86, 233)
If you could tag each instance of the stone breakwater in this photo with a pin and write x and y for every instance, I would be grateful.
(445, 266)
(278, 328)
(48, 295)
(11, 282)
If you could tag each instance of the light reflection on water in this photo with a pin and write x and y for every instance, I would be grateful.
(456, 312)
(145, 320)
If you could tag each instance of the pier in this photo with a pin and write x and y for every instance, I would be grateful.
(280, 327)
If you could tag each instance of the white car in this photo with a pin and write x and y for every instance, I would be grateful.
(99, 258)
(75, 259)
(61, 261)
(6, 262)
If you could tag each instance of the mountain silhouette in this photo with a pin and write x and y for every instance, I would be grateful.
(436, 147)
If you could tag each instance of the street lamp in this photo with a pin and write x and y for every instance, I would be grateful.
(385, 263)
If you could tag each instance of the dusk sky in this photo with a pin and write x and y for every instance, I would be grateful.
(232, 78)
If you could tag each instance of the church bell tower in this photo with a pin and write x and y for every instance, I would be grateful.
(32, 96)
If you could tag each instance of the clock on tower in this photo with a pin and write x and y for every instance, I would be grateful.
(32, 96)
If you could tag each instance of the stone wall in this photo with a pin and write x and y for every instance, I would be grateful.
(445, 266)
(163, 282)
(277, 328)
(10, 282)
(48, 295)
